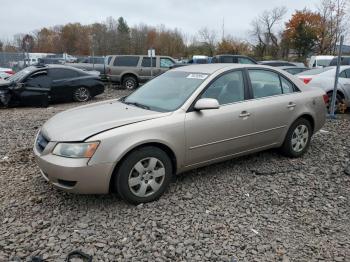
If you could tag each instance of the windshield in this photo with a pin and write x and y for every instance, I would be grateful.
(166, 92)
(323, 62)
(21, 74)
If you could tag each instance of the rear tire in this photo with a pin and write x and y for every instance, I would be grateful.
(143, 175)
(81, 94)
(339, 103)
(298, 138)
(130, 83)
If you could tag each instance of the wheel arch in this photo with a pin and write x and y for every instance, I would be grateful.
(339, 92)
(159, 145)
(129, 74)
(309, 118)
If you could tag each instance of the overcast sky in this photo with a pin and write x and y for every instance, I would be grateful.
(24, 16)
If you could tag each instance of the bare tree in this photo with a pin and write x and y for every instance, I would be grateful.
(208, 39)
(264, 30)
(335, 23)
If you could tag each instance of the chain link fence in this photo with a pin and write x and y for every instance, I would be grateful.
(13, 60)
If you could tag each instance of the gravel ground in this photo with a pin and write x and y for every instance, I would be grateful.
(263, 207)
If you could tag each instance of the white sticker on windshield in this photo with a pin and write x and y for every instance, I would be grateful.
(197, 76)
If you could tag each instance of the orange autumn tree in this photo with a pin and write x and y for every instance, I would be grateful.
(302, 31)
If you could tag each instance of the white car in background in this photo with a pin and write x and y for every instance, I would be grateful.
(320, 61)
(5, 72)
(324, 78)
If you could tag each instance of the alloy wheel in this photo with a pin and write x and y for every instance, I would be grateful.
(146, 177)
(300, 138)
(130, 84)
(82, 94)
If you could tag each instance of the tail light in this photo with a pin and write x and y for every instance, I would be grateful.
(307, 80)
(10, 72)
(326, 99)
(109, 71)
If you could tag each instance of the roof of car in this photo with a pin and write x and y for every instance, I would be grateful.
(54, 66)
(211, 68)
(292, 67)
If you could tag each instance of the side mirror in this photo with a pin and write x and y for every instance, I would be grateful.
(20, 86)
(206, 103)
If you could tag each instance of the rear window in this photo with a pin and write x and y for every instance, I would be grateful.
(126, 61)
(344, 61)
(97, 60)
(59, 73)
(227, 59)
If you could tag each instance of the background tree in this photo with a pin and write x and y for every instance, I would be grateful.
(335, 22)
(208, 40)
(123, 36)
(302, 31)
(264, 32)
(229, 45)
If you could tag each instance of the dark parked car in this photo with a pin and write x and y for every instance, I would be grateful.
(96, 63)
(294, 69)
(276, 63)
(344, 60)
(235, 59)
(50, 61)
(40, 85)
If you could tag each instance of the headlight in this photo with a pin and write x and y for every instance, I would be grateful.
(76, 150)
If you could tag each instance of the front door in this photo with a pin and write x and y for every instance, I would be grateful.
(218, 133)
(36, 89)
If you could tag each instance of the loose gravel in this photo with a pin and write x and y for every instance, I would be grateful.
(262, 207)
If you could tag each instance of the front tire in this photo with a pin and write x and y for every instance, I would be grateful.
(81, 94)
(298, 138)
(143, 175)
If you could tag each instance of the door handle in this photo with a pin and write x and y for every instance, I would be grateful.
(291, 105)
(244, 114)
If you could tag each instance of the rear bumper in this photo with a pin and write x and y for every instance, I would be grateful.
(74, 175)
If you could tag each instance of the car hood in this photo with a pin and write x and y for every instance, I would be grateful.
(79, 123)
(4, 84)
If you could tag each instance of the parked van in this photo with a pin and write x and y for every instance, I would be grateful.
(320, 61)
(131, 70)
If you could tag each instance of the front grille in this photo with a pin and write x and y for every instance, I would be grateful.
(41, 142)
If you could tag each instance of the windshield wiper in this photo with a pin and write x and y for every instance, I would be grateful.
(137, 104)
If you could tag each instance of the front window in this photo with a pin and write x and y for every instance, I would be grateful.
(166, 92)
(227, 89)
(166, 62)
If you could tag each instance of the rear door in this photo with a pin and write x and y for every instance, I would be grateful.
(147, 69)
(274, 103)
(219, 133)
(64, 80)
